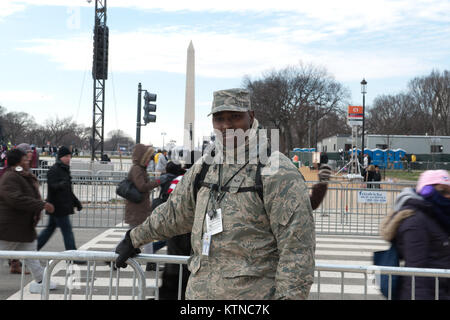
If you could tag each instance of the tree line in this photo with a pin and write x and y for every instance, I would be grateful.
(306, 104)
(18, 127)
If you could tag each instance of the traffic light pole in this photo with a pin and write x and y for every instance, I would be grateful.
(148, 107)
(138, 121)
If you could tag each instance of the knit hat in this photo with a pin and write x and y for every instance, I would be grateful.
(63, 151)
(25, 147)
(431, 177)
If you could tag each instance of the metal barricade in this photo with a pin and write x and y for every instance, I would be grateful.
(73, 273)
(102, 207)
(342, 211)
(370, 275)
(343, 289)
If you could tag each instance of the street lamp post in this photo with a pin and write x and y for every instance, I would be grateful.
(363, 91)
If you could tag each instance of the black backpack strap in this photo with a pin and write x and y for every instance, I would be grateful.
(199, 179)
(258, 181)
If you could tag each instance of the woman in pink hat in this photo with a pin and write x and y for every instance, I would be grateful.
(420, 229)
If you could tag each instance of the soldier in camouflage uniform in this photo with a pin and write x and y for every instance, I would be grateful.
(260, 249)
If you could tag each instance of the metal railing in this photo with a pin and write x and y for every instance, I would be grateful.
(353, 209)
(341, 211)
(102, 207)
(139, 289)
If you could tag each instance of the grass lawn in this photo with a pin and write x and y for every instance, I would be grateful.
(401, 174)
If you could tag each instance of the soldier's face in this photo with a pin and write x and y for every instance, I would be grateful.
(232, 120)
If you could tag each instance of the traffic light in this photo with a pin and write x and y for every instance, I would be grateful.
(149, 107)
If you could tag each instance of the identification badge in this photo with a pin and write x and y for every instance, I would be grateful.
(214, 222)
(206, 244)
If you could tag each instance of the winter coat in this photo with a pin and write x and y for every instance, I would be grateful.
(20, 206)
(136, 213)
(162, 162)
(421, 242)
(60, 192)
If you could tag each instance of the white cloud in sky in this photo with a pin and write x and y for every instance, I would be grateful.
(23, 96)
(284, 41)
(221, 55)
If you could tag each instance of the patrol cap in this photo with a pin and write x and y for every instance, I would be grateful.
(231, 100)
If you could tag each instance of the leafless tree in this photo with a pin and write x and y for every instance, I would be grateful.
(297, 100)
(59, 129)
(115, 138)
(16, 126)
(432, 95)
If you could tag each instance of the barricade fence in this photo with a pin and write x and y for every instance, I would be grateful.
(355, 208)
(89, 282)
(352, 208)
(102, 207)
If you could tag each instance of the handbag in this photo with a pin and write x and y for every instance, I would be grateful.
(126, 189)
(388, 258)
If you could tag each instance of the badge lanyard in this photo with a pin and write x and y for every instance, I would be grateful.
(221, 194)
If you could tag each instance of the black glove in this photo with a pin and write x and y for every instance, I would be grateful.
(324, 173)
(125, 250)
(77, 203)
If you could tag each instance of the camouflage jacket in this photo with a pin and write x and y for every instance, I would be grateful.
(265, 251)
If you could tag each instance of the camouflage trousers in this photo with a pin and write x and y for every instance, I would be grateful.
(208, 284)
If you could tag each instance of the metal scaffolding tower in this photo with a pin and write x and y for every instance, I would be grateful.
(99, 75)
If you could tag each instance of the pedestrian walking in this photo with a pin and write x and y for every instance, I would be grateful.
(20, 211)
(419, 227)
(61, 195)
(252, 234)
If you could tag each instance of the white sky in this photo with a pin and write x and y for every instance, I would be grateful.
(47, 52)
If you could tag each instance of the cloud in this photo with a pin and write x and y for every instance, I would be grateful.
(23, 96)
(221, 55)
(8, 8)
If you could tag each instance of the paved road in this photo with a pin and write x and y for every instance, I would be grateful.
(350, 250)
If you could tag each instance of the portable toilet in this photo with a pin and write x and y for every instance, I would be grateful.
(297, 150)
(378, 157)
(399, 154)
(312, 150)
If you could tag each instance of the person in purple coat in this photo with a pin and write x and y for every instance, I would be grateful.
(420, 229)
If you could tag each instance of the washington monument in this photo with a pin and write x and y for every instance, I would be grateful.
(189, 109)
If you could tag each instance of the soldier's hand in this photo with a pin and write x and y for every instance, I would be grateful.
(324, 173)
(125, 250)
